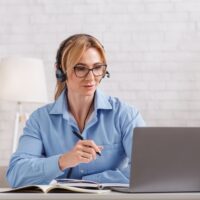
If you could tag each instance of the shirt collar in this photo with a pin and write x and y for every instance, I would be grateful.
(101, 101)
(60, 106)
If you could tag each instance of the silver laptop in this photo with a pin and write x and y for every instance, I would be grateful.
(165, 159)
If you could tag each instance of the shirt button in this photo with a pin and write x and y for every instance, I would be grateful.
(81, 171)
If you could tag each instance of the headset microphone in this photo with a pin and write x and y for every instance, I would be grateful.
(107, 74)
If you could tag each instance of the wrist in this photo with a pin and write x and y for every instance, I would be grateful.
(61, 163)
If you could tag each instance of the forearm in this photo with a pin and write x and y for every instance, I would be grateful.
(110, 176)
(26, 170)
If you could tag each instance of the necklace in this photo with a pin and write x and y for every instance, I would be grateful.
(88, 113)
(86, 117)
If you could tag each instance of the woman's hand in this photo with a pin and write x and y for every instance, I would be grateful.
(83, 152)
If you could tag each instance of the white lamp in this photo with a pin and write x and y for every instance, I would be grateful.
(22, 80)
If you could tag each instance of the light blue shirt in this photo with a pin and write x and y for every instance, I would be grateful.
(48, 134)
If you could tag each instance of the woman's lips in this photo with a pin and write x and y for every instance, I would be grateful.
(89, 86)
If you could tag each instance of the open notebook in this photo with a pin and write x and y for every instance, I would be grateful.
(67, 186)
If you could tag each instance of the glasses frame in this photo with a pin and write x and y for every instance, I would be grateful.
(76, 66)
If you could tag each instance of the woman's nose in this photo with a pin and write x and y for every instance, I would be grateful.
(90, 75)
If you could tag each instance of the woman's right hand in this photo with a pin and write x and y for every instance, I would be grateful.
(83, 152)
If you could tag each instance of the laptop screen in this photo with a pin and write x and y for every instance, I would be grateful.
(165, 159)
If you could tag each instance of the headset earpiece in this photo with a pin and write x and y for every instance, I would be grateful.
(60, 75)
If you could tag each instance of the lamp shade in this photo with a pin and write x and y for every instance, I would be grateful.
(22, 80)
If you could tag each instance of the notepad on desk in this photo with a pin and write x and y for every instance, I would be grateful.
(66, 186)
(86, 183)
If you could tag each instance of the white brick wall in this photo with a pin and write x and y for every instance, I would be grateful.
(153, 49)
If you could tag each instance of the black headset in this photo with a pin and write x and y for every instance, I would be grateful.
(60, 75)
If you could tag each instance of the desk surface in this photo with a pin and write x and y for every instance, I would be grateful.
(107, 196)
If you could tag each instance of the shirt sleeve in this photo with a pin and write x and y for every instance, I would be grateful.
(28, 164)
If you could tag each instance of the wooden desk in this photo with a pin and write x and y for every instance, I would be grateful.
(107, 196)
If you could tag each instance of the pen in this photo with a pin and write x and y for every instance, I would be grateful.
(81, 138)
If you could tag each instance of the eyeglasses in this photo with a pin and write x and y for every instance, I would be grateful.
(81, 70)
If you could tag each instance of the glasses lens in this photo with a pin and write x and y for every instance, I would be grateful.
(99, 70)
(80, 71)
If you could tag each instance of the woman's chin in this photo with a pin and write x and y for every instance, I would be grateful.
(89, 91)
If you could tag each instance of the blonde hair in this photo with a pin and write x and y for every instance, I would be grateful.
(70, 52)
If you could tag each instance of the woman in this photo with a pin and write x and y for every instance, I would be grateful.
(84, 134)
